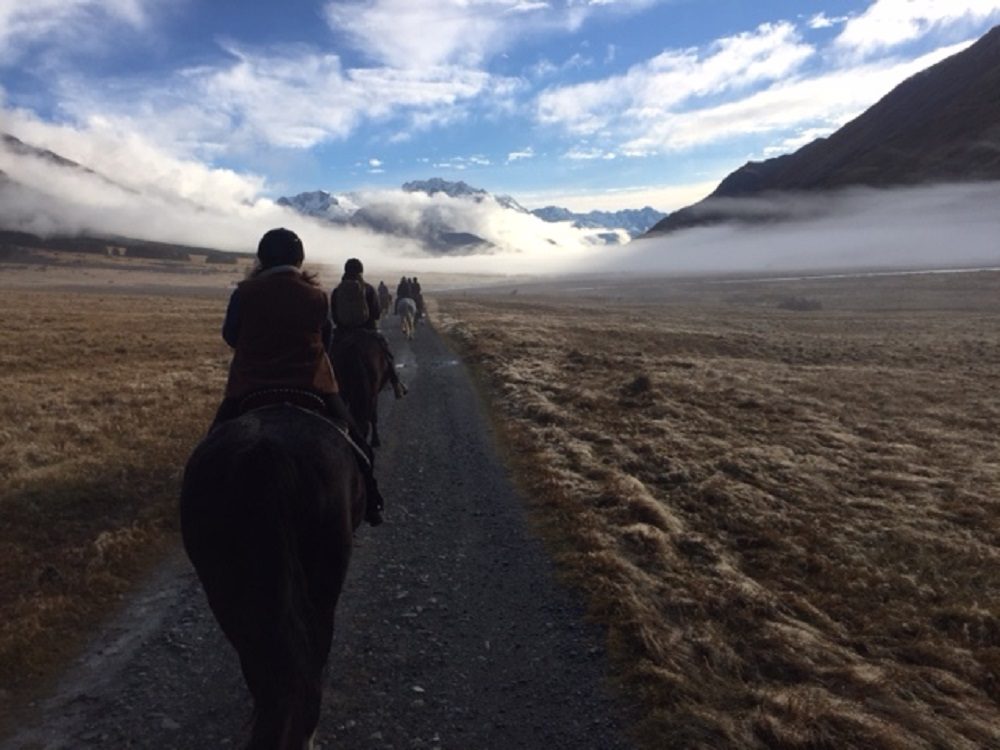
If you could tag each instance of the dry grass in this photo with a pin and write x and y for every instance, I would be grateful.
(789, 519)
(102, 396)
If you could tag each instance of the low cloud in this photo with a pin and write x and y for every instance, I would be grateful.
(942, 226)
(170, 200)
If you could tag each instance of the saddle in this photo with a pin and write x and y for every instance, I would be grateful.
(275, 396)
(307, 400)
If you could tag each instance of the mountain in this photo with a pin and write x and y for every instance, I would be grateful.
(635, 221)
(450, 228)
(940, 125)
(19, 147)
(453, 189)
(320, 204)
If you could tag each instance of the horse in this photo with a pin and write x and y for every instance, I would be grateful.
(407, 311)
(363, 370)
(269, 504)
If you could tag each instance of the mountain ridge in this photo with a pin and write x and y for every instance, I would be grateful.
(939, 125)
(325, 205)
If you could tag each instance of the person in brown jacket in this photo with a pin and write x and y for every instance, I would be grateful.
(278, 323)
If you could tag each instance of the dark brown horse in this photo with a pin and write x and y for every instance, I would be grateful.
(363, 370)
(269, 505)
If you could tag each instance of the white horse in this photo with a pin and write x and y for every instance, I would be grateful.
(406, 309)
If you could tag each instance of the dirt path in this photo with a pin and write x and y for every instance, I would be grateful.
(451, 633)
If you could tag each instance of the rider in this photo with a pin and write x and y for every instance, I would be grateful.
(278, 323)
(383, 298)
(403, 290)
(418, 296)
(354, 306)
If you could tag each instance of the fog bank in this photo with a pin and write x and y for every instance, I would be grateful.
(939, 226)
(127, 187)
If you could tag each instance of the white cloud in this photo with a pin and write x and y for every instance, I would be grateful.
(581, 153)
(290, 98)
(68, 24)
(825, 101)
(374, 163)
(525, 153)
(421, 33)
(463, 162)
(652, 89)
(823, 21)
(888, 23)
(135, 162)
(545, 68)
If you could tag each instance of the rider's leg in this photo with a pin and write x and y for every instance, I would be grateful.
(374, 503)
(397, 386)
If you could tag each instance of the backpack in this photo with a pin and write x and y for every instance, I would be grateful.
(352, 307)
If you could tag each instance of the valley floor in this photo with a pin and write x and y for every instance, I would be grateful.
(782, 496)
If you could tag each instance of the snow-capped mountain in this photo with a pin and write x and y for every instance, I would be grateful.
(635, 221)
(322, 205)
(438, 185)
(455, 217)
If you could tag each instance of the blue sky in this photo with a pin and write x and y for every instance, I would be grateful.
(584, 103)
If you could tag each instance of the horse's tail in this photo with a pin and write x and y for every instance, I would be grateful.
(266, 478)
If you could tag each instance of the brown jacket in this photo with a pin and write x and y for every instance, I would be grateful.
(278, 323)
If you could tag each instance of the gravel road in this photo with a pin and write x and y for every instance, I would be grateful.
(452, 631)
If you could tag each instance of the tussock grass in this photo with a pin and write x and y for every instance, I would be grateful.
(789, 521)
(102, 396)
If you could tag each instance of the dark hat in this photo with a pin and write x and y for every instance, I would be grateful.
(280, 247)
(353, 266)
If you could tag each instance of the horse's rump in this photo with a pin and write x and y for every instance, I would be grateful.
(407, 312)
(268, 507)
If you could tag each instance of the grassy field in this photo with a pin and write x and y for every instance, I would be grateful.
(102, 396)
(782, 498)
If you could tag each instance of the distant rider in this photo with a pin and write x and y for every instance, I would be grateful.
(355, 307)
(384, 299)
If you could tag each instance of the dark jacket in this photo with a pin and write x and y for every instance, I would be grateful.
(371, 300)
(279, 324)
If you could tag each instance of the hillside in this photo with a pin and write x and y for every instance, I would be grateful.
(941, 125)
